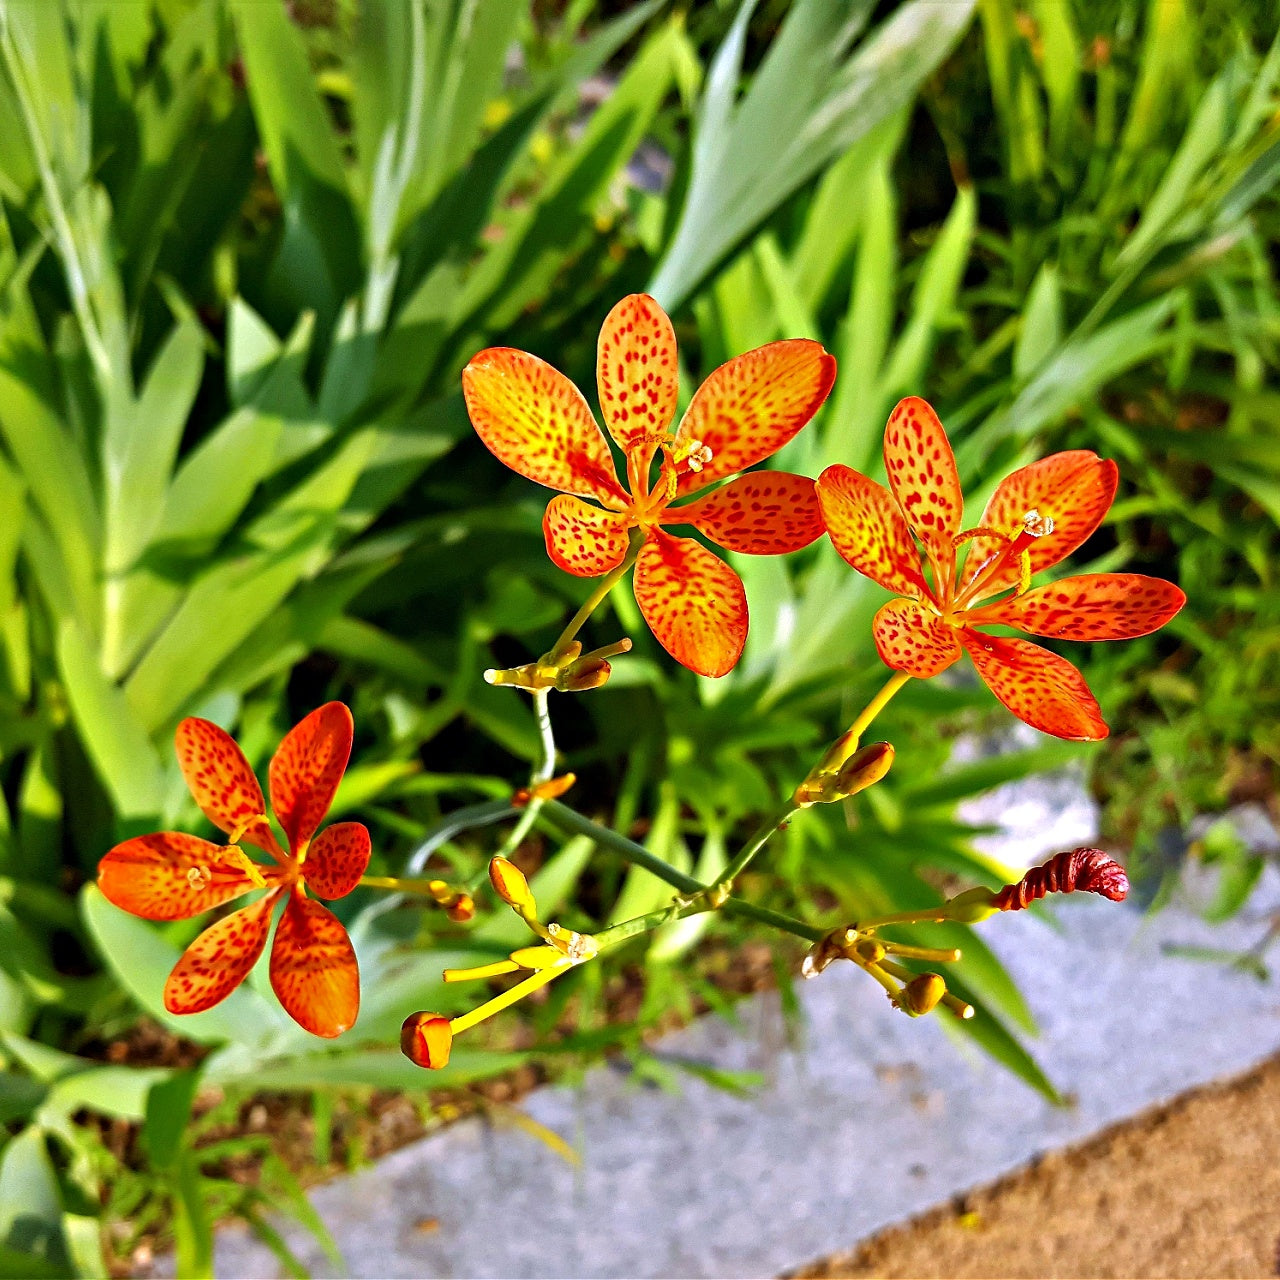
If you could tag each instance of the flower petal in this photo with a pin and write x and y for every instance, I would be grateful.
(868, 529)
(922, 475)
(693, 601)
(1091, 606)
(764, 513)
(336, 860)
(583, 539)
(306, 769)
(222, 783)
(219, 960)
(636, 370)
(911, 637)
(751, 406)
(1037, 686)
(313, 968)
(173, 876)
(533, 419)
(1074, 489)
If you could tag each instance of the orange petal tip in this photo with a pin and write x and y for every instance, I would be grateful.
(510, 885)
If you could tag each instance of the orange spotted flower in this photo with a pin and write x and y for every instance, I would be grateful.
(536, 421)
(1037, 517)
(173, 876)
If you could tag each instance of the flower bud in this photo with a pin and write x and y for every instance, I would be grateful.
(510, 885)
(864, 768)
(590, 673)
(552, 789)
(425, 1039)
(462, 908)
(922, 994)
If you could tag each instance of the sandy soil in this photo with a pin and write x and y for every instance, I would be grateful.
(1188, 1189)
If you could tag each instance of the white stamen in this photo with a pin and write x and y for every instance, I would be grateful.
(199, 877)
(1037, 525)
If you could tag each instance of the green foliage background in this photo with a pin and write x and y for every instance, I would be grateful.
(245, 251)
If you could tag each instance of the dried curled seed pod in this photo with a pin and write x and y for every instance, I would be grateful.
(1080, 870)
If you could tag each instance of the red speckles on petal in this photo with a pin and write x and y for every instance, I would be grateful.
(173, 876)
(336, 860)
(923, 477)
(306, 769)
(1037, 686)
(313, 968)
(764, 513)
(636, 370)
(751, 406)
(694, 603)
(1092, 606)
(1074, 489)
(868, 530)
(222, 783)
(583, 539)
(219, 960)
(533, 419)
(911, 637)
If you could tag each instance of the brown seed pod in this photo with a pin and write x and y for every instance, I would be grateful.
(1081, 870)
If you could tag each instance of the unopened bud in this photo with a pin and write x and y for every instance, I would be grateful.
(864, 768)
(552, 789)
(426, 1039)
(868, 950)
(462, 908)
(922, 994)
(583, 676)
(510, 885)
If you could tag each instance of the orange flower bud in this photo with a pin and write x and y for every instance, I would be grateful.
(864, 768)
(552, 789)
(425, 1039)
(462, 909)
(510, 885)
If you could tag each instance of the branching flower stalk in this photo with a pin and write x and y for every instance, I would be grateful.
(605, 523)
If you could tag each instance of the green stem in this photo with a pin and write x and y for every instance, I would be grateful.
(570, 820)
(593, 601)
(542, 772)
(749, 850)
(875, 707)
(397, 884)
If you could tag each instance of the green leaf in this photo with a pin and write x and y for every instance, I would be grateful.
(192, 1226)
(117, 744)
(168, 1114)
(30, 1203)
(812, 98)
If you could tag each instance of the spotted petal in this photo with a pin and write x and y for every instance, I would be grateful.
(313, 968)
(763, 513)
(1092, 606)
(693, 601)
(868, 530)
(750, 407)
(911, 637)
(533, 419)
(306, 769)
(222, 782)
(1037, 686)
(336, 860)
(636, 371)
(174, 876)
(219, 960)
(922, 475)
(583, 539)
(1074, 489)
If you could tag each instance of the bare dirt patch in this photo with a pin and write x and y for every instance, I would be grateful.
(1188, 1189)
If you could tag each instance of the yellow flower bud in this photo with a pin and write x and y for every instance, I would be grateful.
(864, 768)
(971, 907)
(922, 994)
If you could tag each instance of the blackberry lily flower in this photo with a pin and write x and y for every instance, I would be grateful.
(533, 419)
(1037, 517)
(172, 876)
